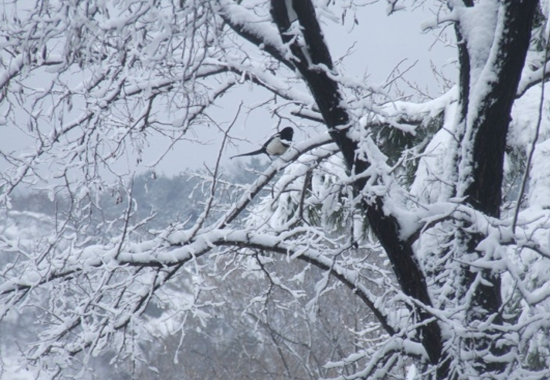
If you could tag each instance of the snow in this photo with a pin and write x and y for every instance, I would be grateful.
(545, 9)
(478, 26)
(429, 184)
(14, 369)
(15, 66)
(259, 27)
(411, 373)
(302, 208)
(421, 111)
(538, 195)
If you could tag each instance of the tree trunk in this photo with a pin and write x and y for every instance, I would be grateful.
(490, 124)
(329, 100)
(483, 189)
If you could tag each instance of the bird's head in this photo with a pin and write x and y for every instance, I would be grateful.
(287, 133)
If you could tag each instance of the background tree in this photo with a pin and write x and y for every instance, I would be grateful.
(463, 293)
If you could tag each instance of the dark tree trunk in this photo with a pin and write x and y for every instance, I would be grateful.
(312, 59)
(490, 128)
(327, 96)
(493, 119)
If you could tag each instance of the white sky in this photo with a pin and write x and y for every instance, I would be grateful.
(379, 43)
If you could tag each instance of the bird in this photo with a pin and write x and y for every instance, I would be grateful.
(275, 146)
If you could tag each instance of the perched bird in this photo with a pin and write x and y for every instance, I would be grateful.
(275, 146)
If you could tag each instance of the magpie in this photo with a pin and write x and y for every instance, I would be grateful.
(275, 146)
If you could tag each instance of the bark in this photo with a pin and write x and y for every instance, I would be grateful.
(484, 192)
(491, 127)
(492, 122)
(312, 59)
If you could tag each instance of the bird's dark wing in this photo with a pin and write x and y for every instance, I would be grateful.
(255, 153)
(270, 140)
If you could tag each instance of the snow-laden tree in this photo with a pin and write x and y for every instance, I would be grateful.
(434, 215)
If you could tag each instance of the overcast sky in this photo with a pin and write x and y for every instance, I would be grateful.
(378, 44)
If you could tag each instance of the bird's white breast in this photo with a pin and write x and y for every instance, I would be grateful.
(276, 147)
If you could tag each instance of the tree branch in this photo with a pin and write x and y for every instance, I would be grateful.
(312, 58)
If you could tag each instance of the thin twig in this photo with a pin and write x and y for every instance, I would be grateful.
(207, 208)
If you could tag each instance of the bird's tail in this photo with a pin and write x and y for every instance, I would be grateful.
(256, 152)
